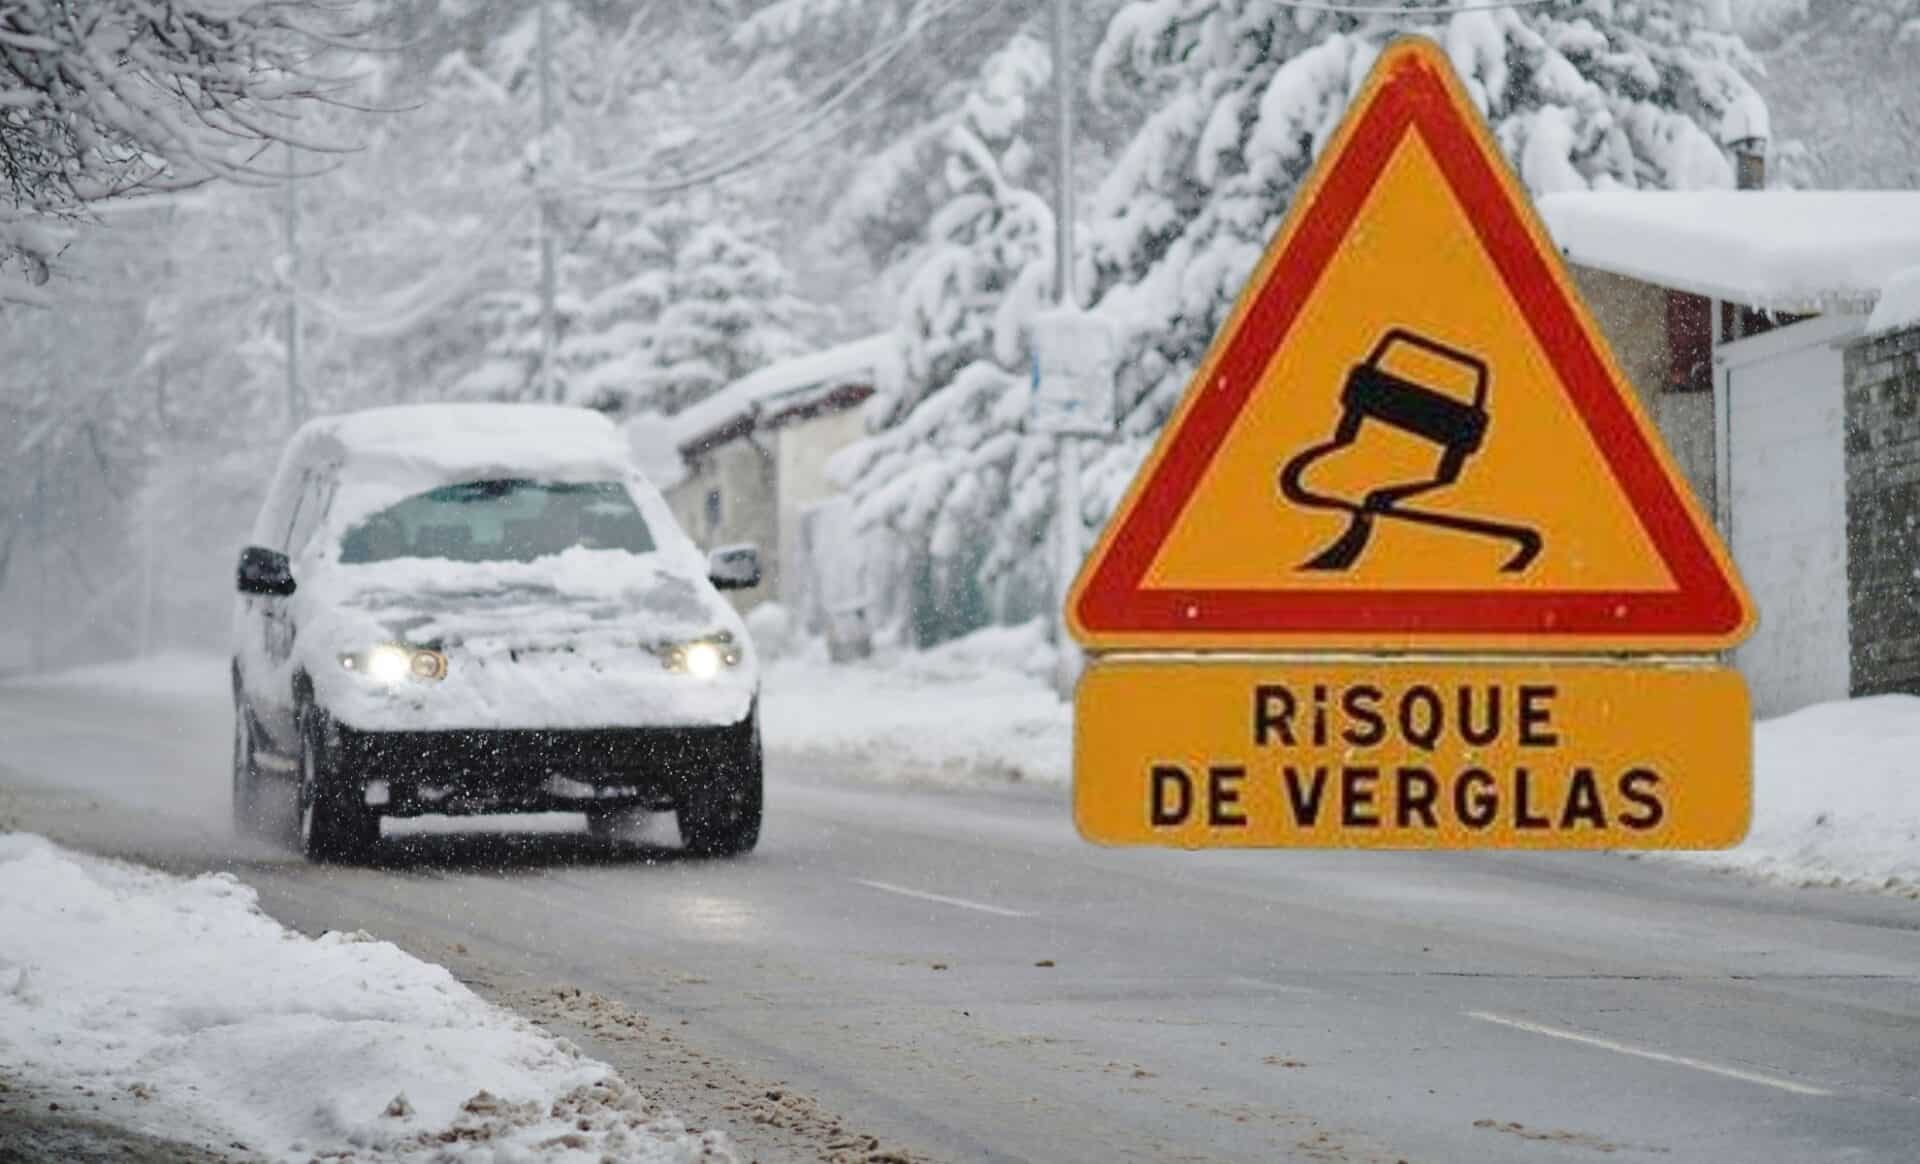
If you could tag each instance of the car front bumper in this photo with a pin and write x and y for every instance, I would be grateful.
(464, 771)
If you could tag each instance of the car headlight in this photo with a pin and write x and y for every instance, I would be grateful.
(702, 658)
(390, 663)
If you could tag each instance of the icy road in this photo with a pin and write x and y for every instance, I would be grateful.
(957, 976)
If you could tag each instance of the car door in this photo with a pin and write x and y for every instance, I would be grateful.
(252, 668)
(275, 617)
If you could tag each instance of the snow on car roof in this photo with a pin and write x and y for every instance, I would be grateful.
(454, 426)
(390, 453)
(1780, 250)
(526, 439)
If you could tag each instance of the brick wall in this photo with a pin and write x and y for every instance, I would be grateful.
(1883, 510)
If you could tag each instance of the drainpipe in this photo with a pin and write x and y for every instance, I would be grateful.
(1745, 133)
(1722, 436)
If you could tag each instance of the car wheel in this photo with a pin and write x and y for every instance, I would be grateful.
(720, 817)
(334, 825)
(247, 821)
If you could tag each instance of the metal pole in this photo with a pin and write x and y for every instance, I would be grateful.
(296, 403)
(549, 324)
(1066, 449)
(1063, 112)
(146, 575)
(1722, 434)
(41, 549)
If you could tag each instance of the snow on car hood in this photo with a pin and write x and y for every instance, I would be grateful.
(570, 640)
(568, 599)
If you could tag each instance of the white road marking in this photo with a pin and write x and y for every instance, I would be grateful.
(1642, 1052)
(961, 902)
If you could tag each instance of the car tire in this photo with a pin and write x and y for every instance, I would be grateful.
(333, 824)
(720, 816)
(247, 819)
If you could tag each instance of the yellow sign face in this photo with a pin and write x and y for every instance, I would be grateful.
(1409, 434)
(1192, 752)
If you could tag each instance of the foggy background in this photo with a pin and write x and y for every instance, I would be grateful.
(727, 183)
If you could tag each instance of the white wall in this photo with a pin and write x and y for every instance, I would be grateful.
(1787, 479)
(804, 448)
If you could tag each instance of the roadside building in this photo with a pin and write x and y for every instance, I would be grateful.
(1747, 323)
(748, 464)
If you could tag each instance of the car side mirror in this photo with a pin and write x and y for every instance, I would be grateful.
(264, 571)
(734, 567)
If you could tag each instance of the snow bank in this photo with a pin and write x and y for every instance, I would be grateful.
(167, 675)
(978, 708)
(183, 1010)
(1836, 797)
(1836, 786)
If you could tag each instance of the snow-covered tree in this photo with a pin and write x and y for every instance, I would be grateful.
(951, 467)
(1234, 99)
(664, 297)
(106, 97)
(1840, 84)
(659, 310)
(729, 313)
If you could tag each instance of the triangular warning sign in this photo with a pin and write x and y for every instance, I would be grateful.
(1409, 434)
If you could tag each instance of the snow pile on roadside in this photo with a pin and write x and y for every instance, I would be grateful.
(1836, 786)
(177, 1007)
(165, 674)
(978, 708)
(1836, 797)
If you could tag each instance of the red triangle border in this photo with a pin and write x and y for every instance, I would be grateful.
(1705, 603)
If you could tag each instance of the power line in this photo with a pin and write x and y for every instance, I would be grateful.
(1339, 9)
(759, 118)
(879, 59)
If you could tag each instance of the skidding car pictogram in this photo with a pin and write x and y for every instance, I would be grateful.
(1458, 427)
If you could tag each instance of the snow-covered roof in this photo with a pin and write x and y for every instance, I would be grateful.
(787, 387)
(1779, 250)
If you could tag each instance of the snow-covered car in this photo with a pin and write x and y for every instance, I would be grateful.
(476, 608)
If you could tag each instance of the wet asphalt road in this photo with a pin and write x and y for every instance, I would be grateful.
(957, 973)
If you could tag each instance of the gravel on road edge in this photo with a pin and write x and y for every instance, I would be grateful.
(43, 1126)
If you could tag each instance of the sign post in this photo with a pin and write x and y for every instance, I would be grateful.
(1409, 566)
(1074, 361)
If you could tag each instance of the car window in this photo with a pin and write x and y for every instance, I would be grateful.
(501, 521)
(316, 493)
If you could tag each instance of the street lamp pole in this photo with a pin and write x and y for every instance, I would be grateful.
(296, 403)
(549, 323)
(1066, 446)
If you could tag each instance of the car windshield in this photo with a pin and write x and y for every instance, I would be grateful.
(509, 520)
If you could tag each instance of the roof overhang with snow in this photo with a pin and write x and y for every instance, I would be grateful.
(1795, 251)
(788, 391)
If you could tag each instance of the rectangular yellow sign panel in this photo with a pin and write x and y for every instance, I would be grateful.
(1411, 754)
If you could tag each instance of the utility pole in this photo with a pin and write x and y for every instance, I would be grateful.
(543, 178)
(296, 403)
(42, 551)
(1066, 448)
